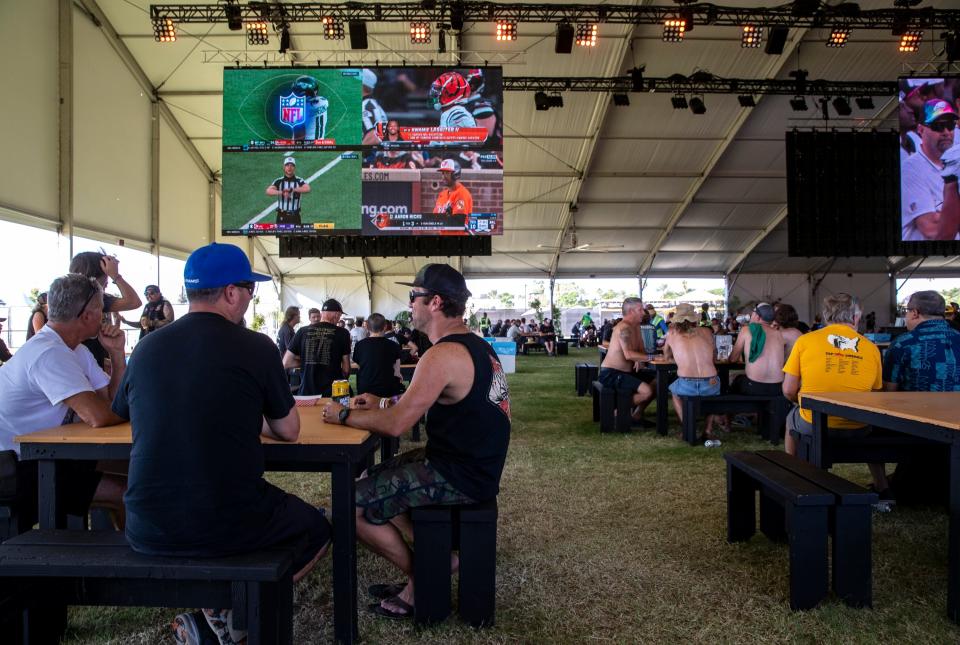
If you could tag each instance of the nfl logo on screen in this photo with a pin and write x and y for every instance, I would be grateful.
(292, 109)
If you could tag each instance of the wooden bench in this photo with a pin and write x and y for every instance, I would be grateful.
(772, 410)
(533, 346)
(804, 505)
(584, 374)
(49, 569)
(606, 401)
(470, 529)
(562, 347)
(881, 447)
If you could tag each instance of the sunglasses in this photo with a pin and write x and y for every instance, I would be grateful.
(93, 291)
(251, 287)
(419, 294)
(940, 126)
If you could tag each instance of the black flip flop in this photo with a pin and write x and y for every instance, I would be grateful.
(380, 610)
(384, 591)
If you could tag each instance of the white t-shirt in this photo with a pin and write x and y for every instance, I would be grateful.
(513, 332)
(457, 117)
(35, 382)
(921, 192)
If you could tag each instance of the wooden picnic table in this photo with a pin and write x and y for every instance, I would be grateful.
(667, 371)
(928, 415)
(322, 447)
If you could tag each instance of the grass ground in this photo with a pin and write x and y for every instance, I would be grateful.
(621, 539)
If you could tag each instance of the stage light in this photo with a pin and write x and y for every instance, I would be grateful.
(910, 41)
(621, 100)
(587, 34)
(746, 100)
(358, 34)
(257, 33)
(673, 29)
(284, 39)
(751, 37)
(332, 28)
(234, 16)
(842, 106)
(506, 30)
(544, 101)
(864, 102)
(679, 102)
(456, 16)
(951, 46)
(164, 30)
(419, 33)
(564, 44)
(636, 78)
(697, 106)
(799, 104)
(442, 42)
(838, 37)
(776, 39)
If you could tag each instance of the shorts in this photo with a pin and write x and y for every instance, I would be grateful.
(744, 385)
(691, 386)
(77, 481)
(288, 217)
(617, 380)
(798, 424)
(407, 481)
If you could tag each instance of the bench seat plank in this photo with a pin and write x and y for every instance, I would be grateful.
(785, 485)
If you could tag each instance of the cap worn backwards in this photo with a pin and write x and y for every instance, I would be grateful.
(442, 279)
(217, 265)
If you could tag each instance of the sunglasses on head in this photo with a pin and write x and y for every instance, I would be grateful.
(251, 287)
(93, 291)
(940, 126)
(418, 294)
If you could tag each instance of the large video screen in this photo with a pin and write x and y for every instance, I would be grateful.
(929, 208)
(372, 151)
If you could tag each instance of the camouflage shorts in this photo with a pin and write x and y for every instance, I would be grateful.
(395, 486)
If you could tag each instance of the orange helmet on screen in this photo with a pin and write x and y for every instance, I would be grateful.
(450, 88)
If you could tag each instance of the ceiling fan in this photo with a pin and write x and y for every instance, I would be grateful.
(572, 245)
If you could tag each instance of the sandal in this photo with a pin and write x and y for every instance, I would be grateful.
(384, 591)
(406, 610)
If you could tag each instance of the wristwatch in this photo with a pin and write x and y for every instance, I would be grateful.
(342, 415)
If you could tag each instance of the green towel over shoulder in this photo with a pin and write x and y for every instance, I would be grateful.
(758, 337)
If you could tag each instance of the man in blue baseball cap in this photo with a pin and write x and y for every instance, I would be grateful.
(196, 484)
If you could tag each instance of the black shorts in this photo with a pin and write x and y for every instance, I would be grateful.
(617, 380)
(288, 217)
(77, 481)
(747, 387)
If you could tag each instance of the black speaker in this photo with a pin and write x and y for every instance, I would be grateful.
(358, 34)
(776, 39)
(564, 38)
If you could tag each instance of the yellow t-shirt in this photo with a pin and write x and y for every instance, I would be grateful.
(834, 359)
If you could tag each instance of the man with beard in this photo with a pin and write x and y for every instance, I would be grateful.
(461, 383)
(930, 204)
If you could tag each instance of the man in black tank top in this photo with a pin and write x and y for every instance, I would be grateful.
(468, 431)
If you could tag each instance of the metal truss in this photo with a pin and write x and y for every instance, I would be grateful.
(802, 13)
(701, 83)
(460, 58)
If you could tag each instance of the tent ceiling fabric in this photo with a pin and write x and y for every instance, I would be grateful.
(674, 191)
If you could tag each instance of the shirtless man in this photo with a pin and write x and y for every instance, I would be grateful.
(625, 353)
(693, 349)
(763, 346)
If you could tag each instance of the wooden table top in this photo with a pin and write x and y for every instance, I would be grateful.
(936, 408)
(313, 431)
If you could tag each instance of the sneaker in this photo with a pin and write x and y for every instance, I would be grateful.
(220, 622)
(192, 629)
(741, 421)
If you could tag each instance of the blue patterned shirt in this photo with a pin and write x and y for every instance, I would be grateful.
(926, 359)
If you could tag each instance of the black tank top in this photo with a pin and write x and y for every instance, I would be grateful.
(467, 441)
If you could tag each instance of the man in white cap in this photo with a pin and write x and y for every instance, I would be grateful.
(454, 198)
(288, 189)
(930, 203)
(371, 112)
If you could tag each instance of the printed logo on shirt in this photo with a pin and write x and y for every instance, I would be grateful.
(499, 395)
(842, 342)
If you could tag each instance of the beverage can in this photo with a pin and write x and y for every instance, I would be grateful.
(340, 391)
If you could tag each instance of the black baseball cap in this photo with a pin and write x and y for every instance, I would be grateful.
(765, 311)
(442, 279)
(332, 305)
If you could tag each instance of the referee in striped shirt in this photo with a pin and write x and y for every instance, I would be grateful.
(287, 190)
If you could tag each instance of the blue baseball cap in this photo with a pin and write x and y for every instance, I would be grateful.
(217, 265)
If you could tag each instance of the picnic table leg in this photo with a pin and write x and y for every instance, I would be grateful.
(49, 514)
(819, 439)
(344, 554)
(663, 396)
(953, 560)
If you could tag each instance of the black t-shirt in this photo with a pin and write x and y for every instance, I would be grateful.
(284, 338)
(376, 357)
(548, 331)
(196, 467)
(321, 348)
(607, 334)
(93, 344)
(421, 340)
(403, 335)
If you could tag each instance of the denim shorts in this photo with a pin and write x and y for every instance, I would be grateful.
(687, 386)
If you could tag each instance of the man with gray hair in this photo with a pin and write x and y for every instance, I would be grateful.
(624, 356)
(54, 380)
(835, 358)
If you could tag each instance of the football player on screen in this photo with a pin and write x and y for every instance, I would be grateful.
(372, 114)
(454, 200)
(315, 126)
(449, 94)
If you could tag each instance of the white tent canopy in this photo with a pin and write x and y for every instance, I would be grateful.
(133, 152)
